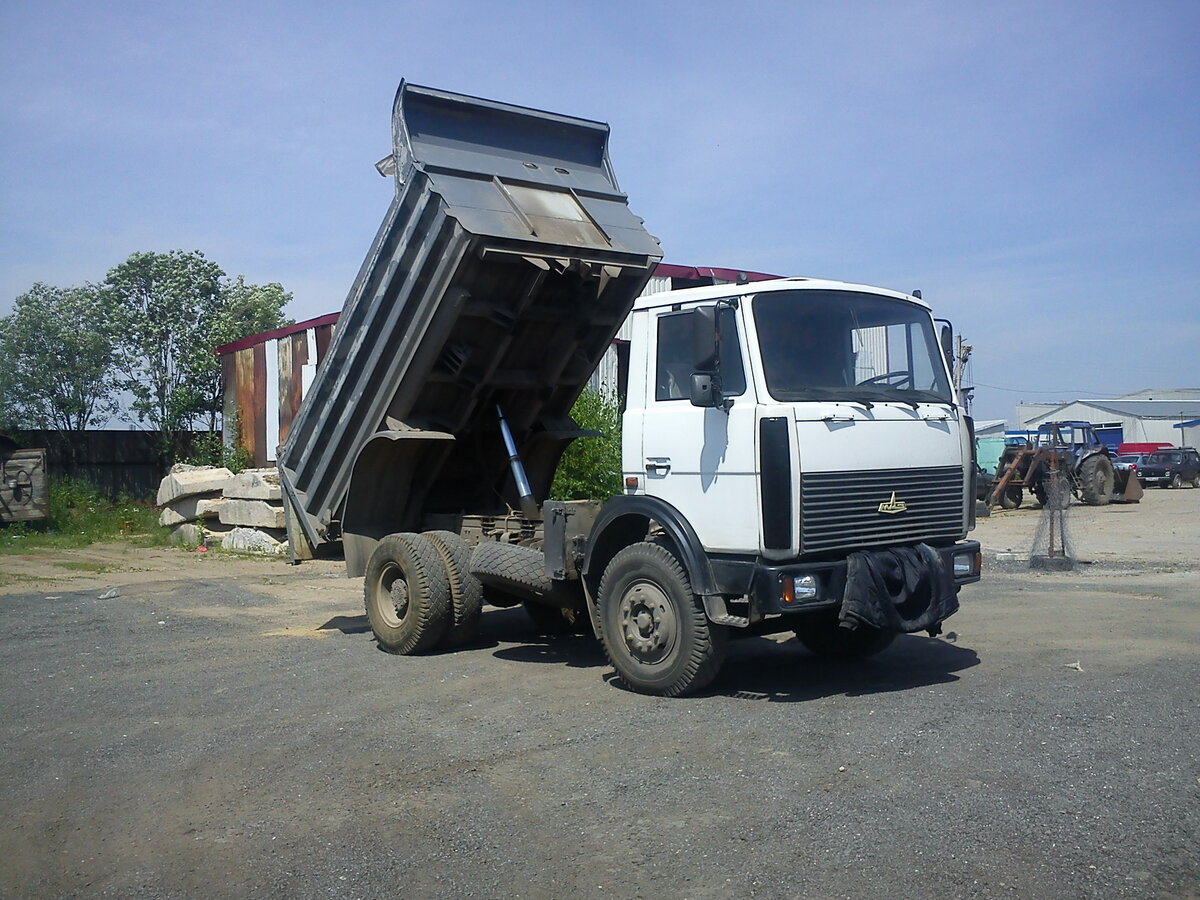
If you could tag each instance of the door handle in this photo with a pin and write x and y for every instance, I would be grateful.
(658, 466)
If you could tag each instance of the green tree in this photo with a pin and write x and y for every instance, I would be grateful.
(174, 309)
(590, 469)
(245, 309)
(59, 351)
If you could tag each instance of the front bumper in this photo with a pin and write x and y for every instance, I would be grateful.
(771, 595)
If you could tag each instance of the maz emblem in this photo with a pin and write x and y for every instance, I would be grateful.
(893, 505)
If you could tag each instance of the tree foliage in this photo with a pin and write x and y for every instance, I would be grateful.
(58, 347)
(590, 469)
(174, 309)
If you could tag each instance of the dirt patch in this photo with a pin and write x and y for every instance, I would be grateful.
(1164, 528)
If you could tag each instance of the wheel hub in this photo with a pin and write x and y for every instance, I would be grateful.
(648, 622)
(399, 595)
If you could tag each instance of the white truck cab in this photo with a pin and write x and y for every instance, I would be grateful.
(797, 447)
(823, 383)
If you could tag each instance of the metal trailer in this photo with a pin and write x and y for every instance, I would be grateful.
(504, 267)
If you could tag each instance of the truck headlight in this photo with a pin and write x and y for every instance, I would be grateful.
(800, 589)
(966, 565)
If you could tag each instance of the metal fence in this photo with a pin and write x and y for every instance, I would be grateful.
(129, 463)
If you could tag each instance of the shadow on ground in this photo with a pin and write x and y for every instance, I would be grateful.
(756, 668)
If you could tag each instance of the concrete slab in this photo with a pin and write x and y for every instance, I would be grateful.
(185, 481)
(254, 540)
(252, 513)
(254, 484)
(189, 509)
(189, 534)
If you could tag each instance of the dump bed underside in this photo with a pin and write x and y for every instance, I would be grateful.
(503, 269)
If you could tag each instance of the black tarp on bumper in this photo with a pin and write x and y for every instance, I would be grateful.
(904, 589)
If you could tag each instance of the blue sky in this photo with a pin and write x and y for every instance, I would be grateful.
(1033, 168)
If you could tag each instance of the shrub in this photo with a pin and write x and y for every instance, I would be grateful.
(590, 469)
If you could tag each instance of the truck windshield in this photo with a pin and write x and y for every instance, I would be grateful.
(846, 345)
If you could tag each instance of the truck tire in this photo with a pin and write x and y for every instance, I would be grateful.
(1012, 497)
(653, 627)
(511, 569)
(1096, 479)
(824, 636)
(407, 594)
(466, 593)
(558, 619)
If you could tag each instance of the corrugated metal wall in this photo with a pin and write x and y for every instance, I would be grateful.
(266, 378)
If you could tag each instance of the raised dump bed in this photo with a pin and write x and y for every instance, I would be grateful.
(503, 268)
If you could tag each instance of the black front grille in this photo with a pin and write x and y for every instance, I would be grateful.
(840, 510)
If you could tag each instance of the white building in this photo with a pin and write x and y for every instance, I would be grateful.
(1152, 415)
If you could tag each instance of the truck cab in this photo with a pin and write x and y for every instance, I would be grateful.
(775, 435)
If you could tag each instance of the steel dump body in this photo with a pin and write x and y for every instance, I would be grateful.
(504, 267)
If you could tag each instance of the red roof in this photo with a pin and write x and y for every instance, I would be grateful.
(277, 333)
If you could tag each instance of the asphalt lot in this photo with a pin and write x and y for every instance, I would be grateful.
(226, 727)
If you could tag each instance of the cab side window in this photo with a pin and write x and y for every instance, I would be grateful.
(674, 365)
(673, 371)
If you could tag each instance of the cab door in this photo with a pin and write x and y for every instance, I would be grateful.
(701, 460)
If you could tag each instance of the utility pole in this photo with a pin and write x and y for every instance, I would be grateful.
(961, 354)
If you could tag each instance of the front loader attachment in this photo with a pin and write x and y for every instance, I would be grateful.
(1127, 488)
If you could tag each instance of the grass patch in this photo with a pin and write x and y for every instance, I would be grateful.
(81, 515)
(85, 566)
(7, 579)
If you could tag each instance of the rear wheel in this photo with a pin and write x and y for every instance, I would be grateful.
(1096, 479)
(407, 594)
(654, 629)
(466, 593)
(824, 636)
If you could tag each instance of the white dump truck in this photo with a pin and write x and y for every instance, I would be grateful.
(794, 456)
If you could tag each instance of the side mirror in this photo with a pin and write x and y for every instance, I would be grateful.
(705, 351)
(947, 338)
(701, 391)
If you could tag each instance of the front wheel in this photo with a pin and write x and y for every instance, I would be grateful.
(653, 627)
(1012, 497)
(1176, 481)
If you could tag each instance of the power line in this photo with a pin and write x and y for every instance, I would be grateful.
(996, 387)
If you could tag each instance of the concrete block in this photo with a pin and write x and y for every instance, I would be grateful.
(189, 534)
(253, 540)
(188, 509)
(184, 481)
(252, 513)
(254, 484)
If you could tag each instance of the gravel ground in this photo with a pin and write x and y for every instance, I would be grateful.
(226, 727)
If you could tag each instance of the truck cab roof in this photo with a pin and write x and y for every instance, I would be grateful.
(720, 291)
